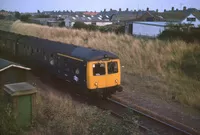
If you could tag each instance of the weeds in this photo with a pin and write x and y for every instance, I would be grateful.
(58, 115)
(8, 124)
(156, 58)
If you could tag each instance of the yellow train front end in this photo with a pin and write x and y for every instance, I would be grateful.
(104, 76)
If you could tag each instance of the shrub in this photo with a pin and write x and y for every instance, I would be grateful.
(190, 64)
(2, 17)
(79, 25)
(25, 18)
(173, 35)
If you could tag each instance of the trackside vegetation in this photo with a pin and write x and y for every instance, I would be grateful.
(8, 124)
(173, 64)
(59, 115)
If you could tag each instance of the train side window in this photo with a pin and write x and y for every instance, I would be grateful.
(38, 50)
(99, 69)
(52, 60)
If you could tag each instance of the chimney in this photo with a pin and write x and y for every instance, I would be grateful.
(184, 8)
(147, 9)
(126, 9)
(172, 8)
(111, 9)
(120, 9)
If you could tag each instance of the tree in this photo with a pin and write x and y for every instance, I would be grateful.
(25, 18)
(38, 11)
(62, 24)
(2, 17)
(17, 15)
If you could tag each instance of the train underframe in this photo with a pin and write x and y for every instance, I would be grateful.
(107, 92)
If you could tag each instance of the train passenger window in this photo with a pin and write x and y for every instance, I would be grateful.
(99, 69)
(53, 60)
(112, 67)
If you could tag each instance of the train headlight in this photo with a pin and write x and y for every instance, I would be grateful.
(96, 84)
(116, 81)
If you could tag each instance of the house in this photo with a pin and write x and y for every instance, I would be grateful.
(184, 16)
(99, 21)
(193, 19)
(151, 24)
(90, 13)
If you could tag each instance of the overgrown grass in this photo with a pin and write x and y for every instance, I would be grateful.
(8, 124)
(161, 59)
(5, 25)
(60, 115)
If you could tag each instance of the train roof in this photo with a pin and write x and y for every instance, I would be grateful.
(83, 53)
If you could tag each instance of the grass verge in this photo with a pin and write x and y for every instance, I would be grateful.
(60, 115)
(160, 65)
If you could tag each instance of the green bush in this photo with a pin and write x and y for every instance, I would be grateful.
(25, 18)
(79, 25)
(17, 15)
(62, 24)
(8, 124)
(190, 64)
(173, 35)
(42, 16)
(2, 17)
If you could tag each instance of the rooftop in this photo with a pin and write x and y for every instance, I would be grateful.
(5, 64)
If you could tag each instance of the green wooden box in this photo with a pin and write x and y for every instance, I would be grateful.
(22, 98)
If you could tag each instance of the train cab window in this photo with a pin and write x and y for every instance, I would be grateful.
(99, 69)
(112, 67)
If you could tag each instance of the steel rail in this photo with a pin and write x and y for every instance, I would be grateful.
(187, 131)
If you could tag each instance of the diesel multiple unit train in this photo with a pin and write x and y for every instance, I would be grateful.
(94, 70)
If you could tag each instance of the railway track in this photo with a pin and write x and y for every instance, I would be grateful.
(149, 123)
(166, 126)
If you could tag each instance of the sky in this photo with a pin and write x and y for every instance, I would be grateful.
(94, 5)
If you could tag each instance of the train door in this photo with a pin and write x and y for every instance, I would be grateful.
(66, 69)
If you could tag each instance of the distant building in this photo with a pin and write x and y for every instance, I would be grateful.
(192, 19)
(146, 29)
(99, 21)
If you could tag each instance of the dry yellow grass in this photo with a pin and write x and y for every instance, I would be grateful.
(60, 115)
(138, 56)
